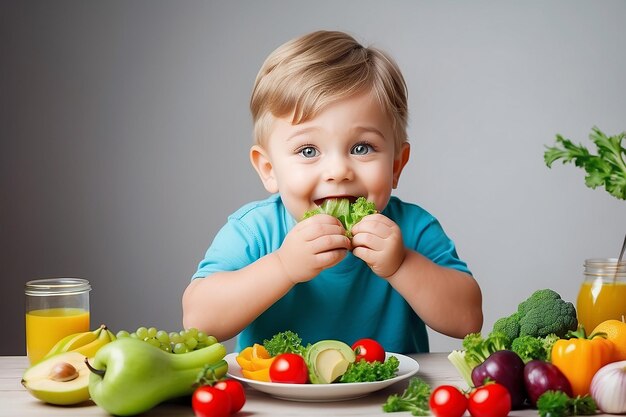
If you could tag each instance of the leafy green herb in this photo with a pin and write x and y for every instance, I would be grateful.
(607, 168)
(559, 404)
(414, 399)
(364, 371)
(348, 214)
(284, 342)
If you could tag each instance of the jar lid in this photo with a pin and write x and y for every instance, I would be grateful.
(57, 286)
(605, 266)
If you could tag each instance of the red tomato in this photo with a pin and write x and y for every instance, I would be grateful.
(368, 349)
(235, 391)
(447, 401)
(289, 368)
(208, 401)
(491, 400)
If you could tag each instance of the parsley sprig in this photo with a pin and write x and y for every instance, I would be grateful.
(607, 168)
(559, 404)
(414, 399)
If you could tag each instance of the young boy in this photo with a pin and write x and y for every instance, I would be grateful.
(330, 121)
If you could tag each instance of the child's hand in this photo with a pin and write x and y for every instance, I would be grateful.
(378, 241)
(313, 245)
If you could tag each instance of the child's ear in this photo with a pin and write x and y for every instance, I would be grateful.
(263, 165)
(400, 161)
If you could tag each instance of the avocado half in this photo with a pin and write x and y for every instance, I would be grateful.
(46, 381)
(328, 360)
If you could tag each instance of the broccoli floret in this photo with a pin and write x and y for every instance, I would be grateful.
(529, 348)
(545, 312)
(548, 342)
(508, 325)
(477, 349)
(541, 314)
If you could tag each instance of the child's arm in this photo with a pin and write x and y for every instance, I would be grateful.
(447, 300)
(226, 302)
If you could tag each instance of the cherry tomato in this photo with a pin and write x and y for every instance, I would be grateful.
(490, 400)
(235, 391)
(208, 401)
(289, 368)
(368, 349)
(447, 401)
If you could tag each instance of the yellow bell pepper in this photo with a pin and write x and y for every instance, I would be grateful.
(255, 363)
(579, 357)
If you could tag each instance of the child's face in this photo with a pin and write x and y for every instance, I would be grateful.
(347, 150)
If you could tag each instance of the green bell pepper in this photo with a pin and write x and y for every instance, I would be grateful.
(130, 376)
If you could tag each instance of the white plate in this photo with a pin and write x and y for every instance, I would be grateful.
(323, 392)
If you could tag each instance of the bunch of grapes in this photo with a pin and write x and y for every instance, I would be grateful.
(174, 342)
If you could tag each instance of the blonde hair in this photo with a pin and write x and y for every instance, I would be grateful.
(307, 73)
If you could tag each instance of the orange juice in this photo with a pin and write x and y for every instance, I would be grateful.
(600, 300)
(47, 326)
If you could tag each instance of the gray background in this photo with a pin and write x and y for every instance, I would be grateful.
(125, 133)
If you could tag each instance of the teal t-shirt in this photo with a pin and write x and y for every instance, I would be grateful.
(346, 302)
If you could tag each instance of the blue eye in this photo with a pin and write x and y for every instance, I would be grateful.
(361, 149)
(308, 152)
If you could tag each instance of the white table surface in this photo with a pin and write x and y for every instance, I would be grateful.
(434, 369)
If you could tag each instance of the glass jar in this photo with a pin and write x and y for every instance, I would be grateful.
(55, 308)
(602, 294)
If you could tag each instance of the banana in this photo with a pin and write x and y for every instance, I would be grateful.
(74, 341)
(90, 349)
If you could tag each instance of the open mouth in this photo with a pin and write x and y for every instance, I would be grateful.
(350, 198)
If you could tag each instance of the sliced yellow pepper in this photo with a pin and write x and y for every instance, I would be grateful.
(244, 359)
(255, 362)
(579, 357)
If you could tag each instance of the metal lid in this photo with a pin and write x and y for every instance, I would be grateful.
(57, 286)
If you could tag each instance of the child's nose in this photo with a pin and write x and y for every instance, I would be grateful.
(338, 169)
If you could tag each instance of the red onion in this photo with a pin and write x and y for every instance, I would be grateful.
(608, 388)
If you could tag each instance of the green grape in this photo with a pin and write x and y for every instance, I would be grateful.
(202, 337)
(152, 341)
(211, 340)
(134, 335)
(163, 337)
(193, 332)
(176, 338)
(191, 343)
(142, 332)
(180, 348)
(122, 333)
(152, 332)
(165, 347)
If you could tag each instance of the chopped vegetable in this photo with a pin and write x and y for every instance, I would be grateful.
(415, 399)
(348, 214)
(607, 168)
(542, 313)
(364, 371)
(558, 404)
(284, 342)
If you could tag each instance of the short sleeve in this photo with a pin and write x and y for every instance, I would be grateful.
(233, 248)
